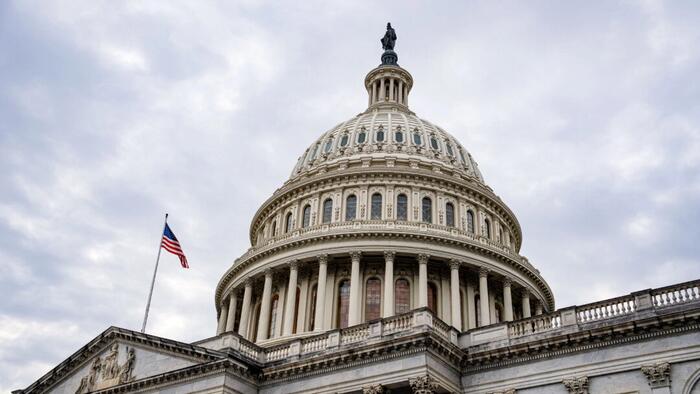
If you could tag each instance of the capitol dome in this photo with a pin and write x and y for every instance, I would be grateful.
(383, 214)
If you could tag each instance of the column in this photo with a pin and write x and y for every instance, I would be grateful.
(354, 314)
(389, 283)
(290, 305)
(232, 305)
(221, 327)
(382, 93)
(245, 308)
(484, 297)
(423, 280)
(319, 317)
(526, 304)
(538, 308)
(264, 321)
(369, 93)
(374, 92)
(454, 293)
(507, 300)
(400, 99)
(391, 89)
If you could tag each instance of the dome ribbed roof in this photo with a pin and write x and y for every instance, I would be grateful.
(388, 131)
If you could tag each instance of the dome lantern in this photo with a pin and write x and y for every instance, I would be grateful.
(389, 84)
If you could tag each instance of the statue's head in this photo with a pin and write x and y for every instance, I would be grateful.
(388, 26)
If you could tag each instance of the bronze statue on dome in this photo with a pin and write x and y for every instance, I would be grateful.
(389, 38)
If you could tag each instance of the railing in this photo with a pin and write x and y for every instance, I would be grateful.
(249, 350)
(398, 323)
(354, 334)
(277, 352)
(534, 325)
(442, 329)
(314, 344)
(607, 309)
(676, 294)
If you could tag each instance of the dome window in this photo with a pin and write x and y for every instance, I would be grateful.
(417, 138)
(434, 143)
(450, 152)
(398, 136)
(427, 208)
(376, 209)
(327, 210)
(329, 145)
(351, 207)
(450, 214)
(306, 216)
(402, 207)
(380, 135)
(461, 155)
(344, 140)
(314, 152)
(362, 137)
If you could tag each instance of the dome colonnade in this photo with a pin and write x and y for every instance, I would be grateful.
(382, 214)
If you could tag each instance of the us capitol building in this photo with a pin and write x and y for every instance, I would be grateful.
(385, 264)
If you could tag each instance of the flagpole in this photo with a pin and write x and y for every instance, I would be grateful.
(153, 281)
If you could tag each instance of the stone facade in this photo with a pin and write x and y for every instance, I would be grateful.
(385, 264)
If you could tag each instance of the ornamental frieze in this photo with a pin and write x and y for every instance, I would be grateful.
(108, 372)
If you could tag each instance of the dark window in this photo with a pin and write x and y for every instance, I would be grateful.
(273, 229)
(254, 324)
(376, 212)
(373, 299)
(306, 217)
(402, 207)
(288, 223)
(434, 143)
(361, 137)
(329, 145)
(380, 135)
(343, 303)
(313, 154)
(470, 221)
(487, 225)
(432, 297)
(273, 315)
(449, 149)
(500, 236)
(402, 296)
(450, 214)
(417, 139)
(344, 140)
(399, 137)
(327, 210)
(351, 207)
(427, 210)
(312, 309)
(461, 155)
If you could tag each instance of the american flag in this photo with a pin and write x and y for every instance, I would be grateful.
(171, 244)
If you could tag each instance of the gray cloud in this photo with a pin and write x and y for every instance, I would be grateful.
(583, 116)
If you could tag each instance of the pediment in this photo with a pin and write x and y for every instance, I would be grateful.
(118, 357)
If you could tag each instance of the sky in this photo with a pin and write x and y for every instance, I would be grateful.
(584, 117)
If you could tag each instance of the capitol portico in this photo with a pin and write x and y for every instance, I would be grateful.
(386, 264)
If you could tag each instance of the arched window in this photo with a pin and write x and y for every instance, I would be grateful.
(306, 217)
(432, 297)
(273, 315)
(398, 136)
(417, 138)
(351, 207)
(449, 149)
(373, 299)
(470, 221)
(343, 304)
(273, 229)
(434, 143)
(427, 210)
(314, 151)
(327, 210)
(312, 308)
(362, 137)
(402, 207)
(402, 296)
(487, 228)
(344, 140)
(288, 223)
(380, 135)
(450, 214)
(328, 146)
(376, 211)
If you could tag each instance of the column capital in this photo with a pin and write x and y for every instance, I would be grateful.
(576, 385)
(268, 272)
(455, 264)
(483, 272)
(389, 255)
(423, 258)
(373, 389)
(293, 265)
(322, 258)
(507, 282)
(355, 255)
(423, 384)
(249, 282)
(525, 292)
(658, 375)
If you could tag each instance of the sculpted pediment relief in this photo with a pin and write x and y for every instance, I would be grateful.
(108, 371)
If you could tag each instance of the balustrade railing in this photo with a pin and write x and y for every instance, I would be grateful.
(398, 323)
(676, 294)
(354, 334)
(249, 350)
(314, 344)
(606, 309)
(277, 352)
(534, 325)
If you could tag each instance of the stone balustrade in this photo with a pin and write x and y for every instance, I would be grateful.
(676, 294)
(606, 309)
(534, 325)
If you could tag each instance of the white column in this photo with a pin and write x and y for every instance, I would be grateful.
(321, 292)
(538, 308)
(400, 92)
(221, 327)
(290, 305)
(391, 89)
(382, 92)
(355, 300)
(374, 92)
(232, 305)
(423, 280)
(389, 283)
(526, 304)
(507, 300)
(454, 293)
(245, 309)
(471, 308)
(484, 297)
(264, 320)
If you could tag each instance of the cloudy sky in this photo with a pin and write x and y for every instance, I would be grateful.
(584, 117)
